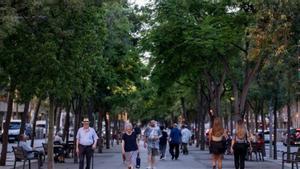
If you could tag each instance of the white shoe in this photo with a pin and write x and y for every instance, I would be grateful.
(149, 167)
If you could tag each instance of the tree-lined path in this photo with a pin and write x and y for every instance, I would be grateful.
(111, 159)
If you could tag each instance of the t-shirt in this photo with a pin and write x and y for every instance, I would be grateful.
(151, 133)
(164, 138)
(130, 142)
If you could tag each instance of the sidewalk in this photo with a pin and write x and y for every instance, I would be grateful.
(111, 159)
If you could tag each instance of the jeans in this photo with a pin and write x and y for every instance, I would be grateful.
(172, 147)
(240, 150)
(162, 149)
(85, 151)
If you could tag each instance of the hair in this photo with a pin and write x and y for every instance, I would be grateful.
(22, 137)
(240, 129)
(162, 127)
(128, 125)
(217, 129)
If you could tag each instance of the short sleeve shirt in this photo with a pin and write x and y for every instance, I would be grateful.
(130, 142)
(151, 133)
(86, 137)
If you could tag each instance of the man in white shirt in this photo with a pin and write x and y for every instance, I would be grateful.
(86, 143)
(30, 152)
(186, 136)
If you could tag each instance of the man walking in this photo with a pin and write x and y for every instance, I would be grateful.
(152, 135)
(186, 136)
(86, 143)
(175, 138)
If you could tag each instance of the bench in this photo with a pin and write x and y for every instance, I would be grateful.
(21, 155)
(294, 158)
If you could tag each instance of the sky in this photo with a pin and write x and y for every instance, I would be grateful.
(139, 2)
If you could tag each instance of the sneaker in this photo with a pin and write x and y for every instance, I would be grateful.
(149, 167)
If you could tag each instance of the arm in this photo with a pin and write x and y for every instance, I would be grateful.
(123, 147)
(137, 143)
(77, 142)
(209, 136)
(95, 139)
(77, 146)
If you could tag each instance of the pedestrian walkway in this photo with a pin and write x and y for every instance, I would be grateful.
(111, 159)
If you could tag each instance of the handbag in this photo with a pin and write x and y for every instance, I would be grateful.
(138, 161)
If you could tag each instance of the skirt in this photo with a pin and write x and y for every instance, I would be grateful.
(217, 147)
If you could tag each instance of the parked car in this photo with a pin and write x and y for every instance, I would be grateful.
(13, 130)
(294, 137)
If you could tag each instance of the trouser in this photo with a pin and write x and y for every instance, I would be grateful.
(176, 147)
(240, 151)
(185, 148)
(162, 149)
(39, 154)
(85, 151)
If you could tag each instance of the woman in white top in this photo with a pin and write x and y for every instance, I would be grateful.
(217, 142)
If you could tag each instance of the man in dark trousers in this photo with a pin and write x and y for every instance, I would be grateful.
(86, 143)
(175, 138)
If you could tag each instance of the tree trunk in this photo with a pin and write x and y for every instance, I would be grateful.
(58, 119)
(100, 140)
(275, 128)
(6, 126)
(77, 110)
(263, 125)
(288, 147)
(24, 117)
(256, 122)
(107, 130)
(67, 125)
(184, 113)
(34, 121)
(50, 164)
(55, 112)
(91, 112)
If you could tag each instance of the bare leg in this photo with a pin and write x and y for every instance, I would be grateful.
(220, 159)
(152, 161)
(213, 158)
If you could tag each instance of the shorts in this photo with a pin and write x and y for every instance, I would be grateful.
(130, 158)
(153, 151)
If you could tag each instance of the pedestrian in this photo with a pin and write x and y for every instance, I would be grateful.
(59, 148)
(30, 152)
(151, 141)
(163, 143)
(240, 144)
(130, 148)
(174, 141)
(86, 143)
(138, 131)
(185, 139)
(217, 142)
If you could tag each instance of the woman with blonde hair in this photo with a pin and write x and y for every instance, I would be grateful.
(130, 147)
(217, 142)
(239, 144)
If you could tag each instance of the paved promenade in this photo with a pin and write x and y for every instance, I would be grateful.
(111, 159)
